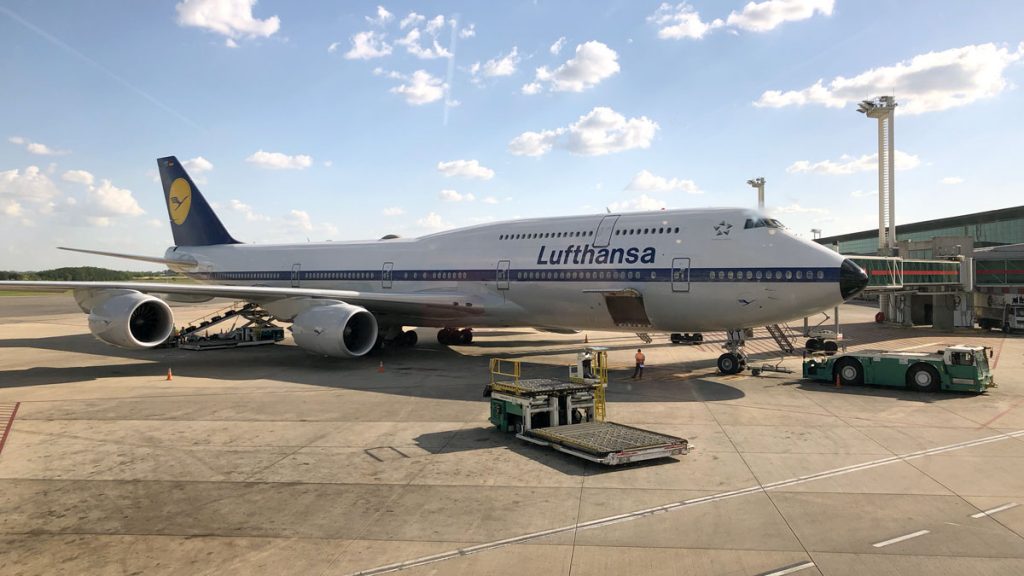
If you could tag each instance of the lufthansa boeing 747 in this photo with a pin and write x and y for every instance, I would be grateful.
(666, 271)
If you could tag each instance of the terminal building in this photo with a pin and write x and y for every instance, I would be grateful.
(928, 288)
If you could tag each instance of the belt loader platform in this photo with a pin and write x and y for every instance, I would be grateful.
(561, 415)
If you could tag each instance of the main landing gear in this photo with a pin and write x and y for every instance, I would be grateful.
(734, 360)
(454, 336)
(396, 337)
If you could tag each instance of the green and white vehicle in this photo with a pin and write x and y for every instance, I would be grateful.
(957, 368)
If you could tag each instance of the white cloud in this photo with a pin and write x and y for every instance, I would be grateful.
(468, 31)
(411, 20)
(598, 132)
(465, 169)
(453, 196)
(197, 165)
(795, 208)
(299, 222)
(767, 15)
(557, 46)
(230, 43)
(863, 193)
(412, 44)
(593, 62)
(98, 221)
(36, 147)
(848, 164)
(79, 177)
(532, 88)
(926, 83)
(247, 211)
(645, 181)
(952, 180)
(109, 200)
(643, 202)
(393, 211)
(421, 88)
(367, 45)
(501, 66)
(681, 21)
(433, 221)
(382, 18)
(279, 161)
(489, 200)
(30, 184)
(333, 47)
(232, 18)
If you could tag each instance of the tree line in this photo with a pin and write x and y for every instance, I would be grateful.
(82, 274)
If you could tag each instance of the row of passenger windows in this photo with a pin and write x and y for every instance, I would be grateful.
(585, 275)
(759, 275)
(658, 230)
(251, 275)
(532, 235)
(578, 234)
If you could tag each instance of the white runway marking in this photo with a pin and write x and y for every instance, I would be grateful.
(918, 346)
(994, 510)
(790, 569)
(902, 538)
(630, 516)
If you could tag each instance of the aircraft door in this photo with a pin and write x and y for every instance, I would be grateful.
(604, 231)
(503, 272)
(385, 275)
(680, 274)
(296, 273)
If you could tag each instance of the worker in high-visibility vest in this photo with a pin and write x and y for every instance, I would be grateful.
(638, 372)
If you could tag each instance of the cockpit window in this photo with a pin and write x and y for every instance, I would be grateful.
(762, 223)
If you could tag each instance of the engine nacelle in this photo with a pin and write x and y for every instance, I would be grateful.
(339, 330)
(131, 319)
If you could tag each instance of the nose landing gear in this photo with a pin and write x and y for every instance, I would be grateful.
(734, 360)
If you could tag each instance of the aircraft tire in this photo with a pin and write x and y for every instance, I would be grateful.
(730, 363)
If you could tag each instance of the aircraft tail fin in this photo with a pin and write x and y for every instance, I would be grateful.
(193, 221)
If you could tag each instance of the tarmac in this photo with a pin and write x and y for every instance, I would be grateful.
(270, 460)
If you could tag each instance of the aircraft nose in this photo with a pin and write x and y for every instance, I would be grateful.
(852, 279)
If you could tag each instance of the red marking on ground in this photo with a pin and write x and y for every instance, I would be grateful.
(7, 427)
(1003, 413)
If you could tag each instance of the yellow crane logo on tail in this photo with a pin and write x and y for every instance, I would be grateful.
(179, 200)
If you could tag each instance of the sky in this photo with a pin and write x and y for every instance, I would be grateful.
(312, 121)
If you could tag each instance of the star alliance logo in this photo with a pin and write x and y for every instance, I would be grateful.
(722, 228)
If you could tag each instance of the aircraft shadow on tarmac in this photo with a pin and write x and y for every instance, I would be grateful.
(425, 371)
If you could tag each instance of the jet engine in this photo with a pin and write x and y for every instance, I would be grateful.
(338, 330)
(131, 319)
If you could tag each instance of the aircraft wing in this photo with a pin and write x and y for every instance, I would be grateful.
(418, 304)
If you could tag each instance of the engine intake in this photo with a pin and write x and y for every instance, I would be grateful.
(339, 330)
(132, 320)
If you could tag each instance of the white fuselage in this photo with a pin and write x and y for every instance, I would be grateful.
(688, 270)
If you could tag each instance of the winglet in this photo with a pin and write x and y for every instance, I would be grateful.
(193, 222)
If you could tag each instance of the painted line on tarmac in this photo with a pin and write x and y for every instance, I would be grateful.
(8, 412)
(901, 538)
(918, 346)
(995, 510)
(789, 569)
(647, 512)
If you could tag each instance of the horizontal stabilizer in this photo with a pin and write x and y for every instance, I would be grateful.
(184, 263)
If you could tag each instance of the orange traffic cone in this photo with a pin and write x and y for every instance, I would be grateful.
(169, 375)
(838, 383)
(381, 367)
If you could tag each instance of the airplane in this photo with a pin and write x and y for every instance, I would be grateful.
(691, 270)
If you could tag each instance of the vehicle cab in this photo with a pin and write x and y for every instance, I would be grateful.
(968, 365)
